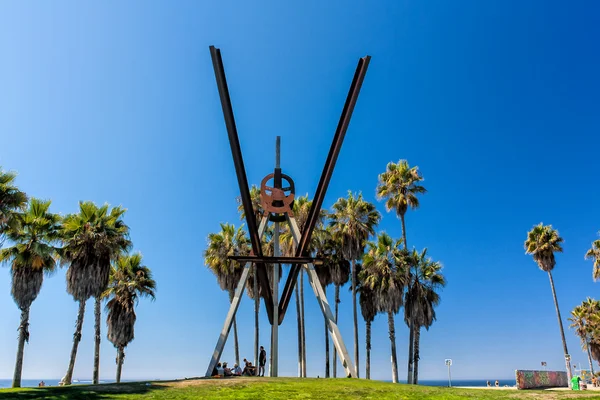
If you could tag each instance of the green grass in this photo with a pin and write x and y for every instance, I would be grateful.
(277, 388)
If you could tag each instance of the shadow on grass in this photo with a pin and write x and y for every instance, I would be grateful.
(82, 392)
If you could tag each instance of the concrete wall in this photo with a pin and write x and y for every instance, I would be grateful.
(540, 379)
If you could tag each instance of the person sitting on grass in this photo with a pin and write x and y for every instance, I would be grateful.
(237, 371)
(226, 371)
(249, 370)
(220, 371)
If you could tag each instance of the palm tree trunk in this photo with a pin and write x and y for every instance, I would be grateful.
(411, 343)
(256, 315)
(23, 337)
(356, 359)
(562, 331)
(303, 324)
(120, 356)
(410, 323)
(337, 302)
(587, 345)
(403, 231)
(326, 342)
(97, 326)
(392, 331)
(299, 323)
(76, 338)
(417, 330)
(236, 346)
(368, 360)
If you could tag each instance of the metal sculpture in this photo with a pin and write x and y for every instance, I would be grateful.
(277, 203)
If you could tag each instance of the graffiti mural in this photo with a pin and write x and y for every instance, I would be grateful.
(540, 379)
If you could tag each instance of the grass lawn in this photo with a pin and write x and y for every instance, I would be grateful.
(277, 388)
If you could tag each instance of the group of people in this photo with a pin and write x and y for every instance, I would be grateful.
(249, 369)
(497, 384)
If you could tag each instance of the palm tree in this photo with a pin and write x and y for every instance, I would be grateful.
(94, 237)
(581, 322)
(368, 309)
(253, 281)
(421, 298)
(32, 255)
(353, 220)
(338, 271)
(300, 209)
(129, 281)
(542, 242)
(11, 200)
(340, 275)
(399, 185)
(385, 272)
(324, 274)
(594, 254)
(593, 331)
(228, 242)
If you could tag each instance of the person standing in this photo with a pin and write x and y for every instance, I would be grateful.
(262, 360)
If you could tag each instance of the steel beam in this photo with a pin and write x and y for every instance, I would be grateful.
(277, 260)
(313, 214)
(240, 171)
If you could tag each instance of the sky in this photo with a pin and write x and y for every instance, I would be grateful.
(495, 102)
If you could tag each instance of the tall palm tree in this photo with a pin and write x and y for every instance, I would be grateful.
(129, 281)
(222, 245)
(253, 281)
(368, 309)
(31, 255)
(93, 238)
(338, 270)
(581, 321)
(421, 298)
(385, 272)
(594, 254)
(353, 220)
(11, 200)
(593, 331)
(542, 242)
(399, 186)
(324, 274)
(301, 208)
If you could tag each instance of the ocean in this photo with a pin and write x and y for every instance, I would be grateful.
(6, 383)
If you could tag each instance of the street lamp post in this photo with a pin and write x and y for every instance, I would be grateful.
(448, 364)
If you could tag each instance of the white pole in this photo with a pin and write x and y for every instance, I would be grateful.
(275, 327)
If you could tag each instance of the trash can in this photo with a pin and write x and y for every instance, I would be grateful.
(575, 383)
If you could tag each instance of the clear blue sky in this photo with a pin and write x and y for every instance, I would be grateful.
(497, 103)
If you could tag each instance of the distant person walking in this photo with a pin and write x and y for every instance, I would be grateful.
(262, 360)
